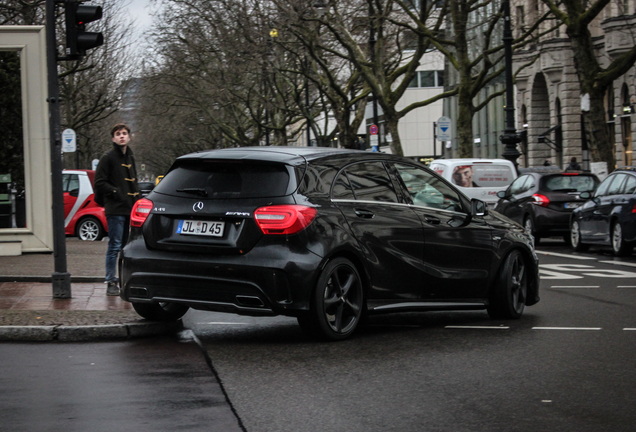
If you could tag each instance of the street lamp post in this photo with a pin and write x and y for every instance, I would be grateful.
(510, 138)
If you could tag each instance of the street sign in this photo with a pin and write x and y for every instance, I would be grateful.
(373, 129)
(94, 164)
(69, 144)
(443, 130)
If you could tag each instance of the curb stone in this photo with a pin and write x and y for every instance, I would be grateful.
(64, 333)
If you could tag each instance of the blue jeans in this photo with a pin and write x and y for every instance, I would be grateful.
(118, 227)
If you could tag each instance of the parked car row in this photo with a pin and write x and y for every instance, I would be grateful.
(575, 206)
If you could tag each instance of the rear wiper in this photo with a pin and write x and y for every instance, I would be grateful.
(195, 191)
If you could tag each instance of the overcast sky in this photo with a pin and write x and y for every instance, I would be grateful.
(140, 11)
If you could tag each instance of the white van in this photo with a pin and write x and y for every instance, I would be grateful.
(477, 178)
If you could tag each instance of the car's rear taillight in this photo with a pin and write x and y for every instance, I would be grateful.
(140, 212)
(540, 200)
(634, 208)
(284, 219)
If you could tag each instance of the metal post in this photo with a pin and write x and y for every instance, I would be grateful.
(510, 138)
(61, 278)
(372, 53)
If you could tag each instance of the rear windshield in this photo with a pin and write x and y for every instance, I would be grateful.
(570, 183)
(225, 179)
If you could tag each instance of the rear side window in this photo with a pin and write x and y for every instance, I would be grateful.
(70, 183)
(570, 183)
(630, 185)
(225, 179)
(370, 182)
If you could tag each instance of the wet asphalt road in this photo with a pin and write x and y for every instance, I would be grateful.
(154, 384)
(567, 365)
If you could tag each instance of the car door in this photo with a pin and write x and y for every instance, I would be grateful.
(511, 205)
(588, 214)
(605, 206)
(457, 248)
(70, 187)
(388, 232)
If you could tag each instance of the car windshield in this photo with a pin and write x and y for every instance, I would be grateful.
(570, 183)
(225, 179)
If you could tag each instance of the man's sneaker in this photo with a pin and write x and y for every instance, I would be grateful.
(113, 289)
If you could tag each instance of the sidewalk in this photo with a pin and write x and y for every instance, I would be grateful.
(28, 310)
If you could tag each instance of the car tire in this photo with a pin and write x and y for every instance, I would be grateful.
(528, 224)
(508, 298)
(89, 229)
(575, 238)
(337, 304)
(164, 311)
(619, 246)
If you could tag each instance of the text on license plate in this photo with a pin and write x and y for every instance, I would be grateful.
(205, 228)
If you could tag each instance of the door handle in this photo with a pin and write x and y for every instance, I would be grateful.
(432, 220)
(366, 214)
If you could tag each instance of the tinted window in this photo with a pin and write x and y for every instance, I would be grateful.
(370, 182)
(520, 185)
(70, 182)
(616, 186)
(225, 179)
(630, 185)
(570, 183)
(342, 188)
(602, 189)
(426, 190)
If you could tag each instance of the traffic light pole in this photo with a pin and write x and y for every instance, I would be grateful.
(61, 279)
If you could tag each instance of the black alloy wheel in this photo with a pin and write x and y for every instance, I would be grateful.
(163, 311)
(338, 302)
(89, 229)
(575, 237)
(508, 299)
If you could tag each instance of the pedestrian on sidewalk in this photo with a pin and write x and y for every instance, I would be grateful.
(574, 165)
(116, 182)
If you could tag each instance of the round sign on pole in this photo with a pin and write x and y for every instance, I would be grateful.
(69, 144)
(373, 129)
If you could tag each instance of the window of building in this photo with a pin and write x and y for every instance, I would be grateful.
(428, 79)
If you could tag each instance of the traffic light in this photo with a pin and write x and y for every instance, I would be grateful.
(78, 40)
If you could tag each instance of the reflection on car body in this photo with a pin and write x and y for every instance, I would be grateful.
(608, 217)
(324, 235)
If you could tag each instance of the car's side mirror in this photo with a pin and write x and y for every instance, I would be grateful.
(74, 193)
(585, 195)
(501, 194)
(478, 208)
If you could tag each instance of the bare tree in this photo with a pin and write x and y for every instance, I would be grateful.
(594, 79)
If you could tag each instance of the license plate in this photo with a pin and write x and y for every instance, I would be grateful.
(572, 205)
(202, 228)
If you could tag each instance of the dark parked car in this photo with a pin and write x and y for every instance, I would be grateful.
(543, 201)
(609, 217)
(146, 187)
(324, 235)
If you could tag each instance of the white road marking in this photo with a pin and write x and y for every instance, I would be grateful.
(564, 255)
(626, 286)
(619, 263)
(556, 271)
(572, 286)
(566, 328)
(630, 329)
(479, 327)
(224, 323)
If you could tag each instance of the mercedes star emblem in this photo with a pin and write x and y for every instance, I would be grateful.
(197, 206)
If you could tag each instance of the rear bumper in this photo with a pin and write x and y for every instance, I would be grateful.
(257, 283)
(548, 221)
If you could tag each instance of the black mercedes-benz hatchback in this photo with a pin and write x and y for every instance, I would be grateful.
(325, 235)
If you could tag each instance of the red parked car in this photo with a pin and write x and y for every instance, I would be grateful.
(82, 216)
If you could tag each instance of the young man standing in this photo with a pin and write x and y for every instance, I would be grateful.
(116, 181)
